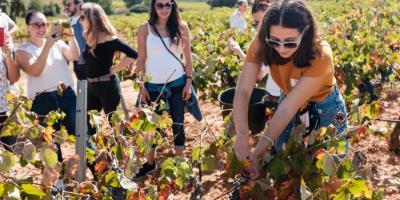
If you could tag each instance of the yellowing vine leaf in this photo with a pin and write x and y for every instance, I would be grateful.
(50, 157)
(47, 134)
(7, 161)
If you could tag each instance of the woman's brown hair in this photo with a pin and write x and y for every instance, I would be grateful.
(99, 23)
(290, 14)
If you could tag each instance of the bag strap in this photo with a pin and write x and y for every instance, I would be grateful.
(179, 60)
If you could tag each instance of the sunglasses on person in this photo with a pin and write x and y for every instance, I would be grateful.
(255, 24)
(39, 25)
(289, 45)
(161, 6)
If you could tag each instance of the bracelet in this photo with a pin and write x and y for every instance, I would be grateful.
(265, 137)
(189, 77)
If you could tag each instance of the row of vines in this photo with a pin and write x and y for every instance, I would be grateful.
(364, 36)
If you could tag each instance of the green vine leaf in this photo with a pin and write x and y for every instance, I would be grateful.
(7, 161)
(328, 164)
(50, 158)
(209, 163)
(32, 190)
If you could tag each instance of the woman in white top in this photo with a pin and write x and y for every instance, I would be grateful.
(164, 66)
(9, 74)
(45, 61)
(237, 19)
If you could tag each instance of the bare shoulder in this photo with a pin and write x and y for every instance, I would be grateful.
(185, 27)
(143, 28)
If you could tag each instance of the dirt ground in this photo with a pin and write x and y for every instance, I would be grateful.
(384, 164)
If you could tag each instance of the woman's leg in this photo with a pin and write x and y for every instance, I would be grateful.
(67, 103)
(109, 95)
(43, 104)
(150, 156)
(93, 103)
(332, 111)
(177, 112)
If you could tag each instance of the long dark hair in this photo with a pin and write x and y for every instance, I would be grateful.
(29, 15)
(173, 23)
(290, 14)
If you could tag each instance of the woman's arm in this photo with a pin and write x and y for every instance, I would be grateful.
(130, 56)
(244, 89)
(305, 88)
(12, 67)
(71, 52)
(234, 46)
(31, 66)
(187, 55)
(142, 53)
(141, 60)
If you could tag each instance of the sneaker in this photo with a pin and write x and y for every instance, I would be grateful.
(144, 170)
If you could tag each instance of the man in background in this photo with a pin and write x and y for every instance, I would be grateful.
(73, 8)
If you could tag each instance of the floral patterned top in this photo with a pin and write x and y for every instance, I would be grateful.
(4, 86)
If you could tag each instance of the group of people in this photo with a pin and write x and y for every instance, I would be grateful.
(287, 45)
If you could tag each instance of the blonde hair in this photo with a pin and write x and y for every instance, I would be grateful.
(99, 23)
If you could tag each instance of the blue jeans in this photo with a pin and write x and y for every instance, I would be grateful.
(46, 102)
(51, 101)
(328, 110)
(177, 112)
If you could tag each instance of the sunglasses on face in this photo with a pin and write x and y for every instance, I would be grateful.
(255, 24)
(160, 6)
(39, 25)
(289, 45)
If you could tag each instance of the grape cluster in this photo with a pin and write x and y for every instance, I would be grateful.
(118, 193)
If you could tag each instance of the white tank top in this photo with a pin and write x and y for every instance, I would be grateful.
(271, 86)
(160, 63)
(55, 71)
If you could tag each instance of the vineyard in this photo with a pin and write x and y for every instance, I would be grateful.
(364, 36)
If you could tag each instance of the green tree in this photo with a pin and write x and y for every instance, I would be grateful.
(105, 4)
(130, 3)
(13, 8)
(18, 9)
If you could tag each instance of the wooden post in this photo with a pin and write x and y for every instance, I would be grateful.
(81, 128)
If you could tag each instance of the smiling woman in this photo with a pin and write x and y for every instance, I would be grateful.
(161, 42)
(44, 58)
(301, 63)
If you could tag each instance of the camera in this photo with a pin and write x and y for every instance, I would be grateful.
(64, 28)
(2, 37)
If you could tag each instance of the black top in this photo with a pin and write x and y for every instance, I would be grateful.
(100, 64)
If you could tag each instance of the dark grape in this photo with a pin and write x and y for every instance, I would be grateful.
(117, 193)
(235, 194)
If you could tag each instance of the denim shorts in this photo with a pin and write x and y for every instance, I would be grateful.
(328, 111)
